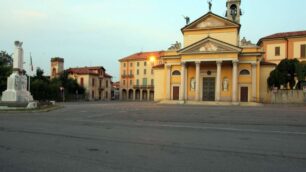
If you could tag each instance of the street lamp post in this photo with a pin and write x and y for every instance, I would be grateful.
(62, 89)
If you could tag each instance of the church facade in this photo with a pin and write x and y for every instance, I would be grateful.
(213, 64)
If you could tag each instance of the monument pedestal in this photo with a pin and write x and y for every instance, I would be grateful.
(17, 89)
(17, 93)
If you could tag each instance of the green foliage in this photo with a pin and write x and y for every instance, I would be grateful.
(44, 89)
(286, 72)
(6, 66)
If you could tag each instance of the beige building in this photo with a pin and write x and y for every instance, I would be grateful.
(137, 75)
(95, 80)
(284, 45)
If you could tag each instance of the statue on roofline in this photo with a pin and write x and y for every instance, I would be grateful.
(209, 4)
(187, 19)
(176, 46)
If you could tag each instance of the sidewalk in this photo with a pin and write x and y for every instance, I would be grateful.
(208, 103)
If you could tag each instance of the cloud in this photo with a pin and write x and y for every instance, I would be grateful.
(29, 15)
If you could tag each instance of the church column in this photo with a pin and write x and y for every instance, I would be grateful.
(120, 94)
(183, 75)
(254, 83)
(168, 83)
(235, 81)
(197, 90)
(140, 95)
(148, 94)
(218, 82)
(134, 94)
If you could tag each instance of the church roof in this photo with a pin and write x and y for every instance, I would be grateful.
(284, 35)
(206, 16)
(86, 70)
(143, 55)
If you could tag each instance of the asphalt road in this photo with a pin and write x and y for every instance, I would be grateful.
(147, 137)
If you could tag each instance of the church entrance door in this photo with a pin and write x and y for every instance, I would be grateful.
(244, 94)
(209, 89)
(176, 93)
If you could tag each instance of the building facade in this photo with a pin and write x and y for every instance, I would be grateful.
(95, 80)
(137, 75)
(280, 46)
(213, 65)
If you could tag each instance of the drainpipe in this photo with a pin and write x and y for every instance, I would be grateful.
(287, 48)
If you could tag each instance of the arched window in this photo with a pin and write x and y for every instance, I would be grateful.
(176, 73)
(244, 72)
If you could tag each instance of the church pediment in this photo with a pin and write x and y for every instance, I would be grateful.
(210, 21)
(210, 45)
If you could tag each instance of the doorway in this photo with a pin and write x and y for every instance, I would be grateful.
(244, 94)
(209, 89)
(176, 92)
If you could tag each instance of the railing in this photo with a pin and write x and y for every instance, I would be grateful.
(144, 87)
(127, 76)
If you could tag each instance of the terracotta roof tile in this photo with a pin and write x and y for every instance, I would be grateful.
(86, 70)
(267, 63)
(143, 55)
(159, 66)
(108, 75)
(285, 35)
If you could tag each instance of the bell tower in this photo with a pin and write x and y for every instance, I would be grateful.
(233, 12)
(57, 67)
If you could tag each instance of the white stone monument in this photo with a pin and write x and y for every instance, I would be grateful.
(17, 82)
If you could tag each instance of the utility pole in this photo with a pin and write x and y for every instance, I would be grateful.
(31, 70)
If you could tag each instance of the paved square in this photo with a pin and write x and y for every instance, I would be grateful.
(129, 136)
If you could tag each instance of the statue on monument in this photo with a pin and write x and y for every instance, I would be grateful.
(17, 82)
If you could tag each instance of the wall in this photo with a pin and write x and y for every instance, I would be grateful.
(141, 69)
(270, 51)
(265, 71)
(228, 36)
(159, 84)
(287, 97)
(136, 76)
(297, 48)
(87, 81)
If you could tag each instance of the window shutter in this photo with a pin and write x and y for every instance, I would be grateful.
(277, 51)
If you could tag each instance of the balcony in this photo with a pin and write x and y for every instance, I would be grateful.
(127, 76)
(144, 87)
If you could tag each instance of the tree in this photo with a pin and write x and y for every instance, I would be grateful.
(6, 66)
(71, 86)
(286, 73)
(44, 89)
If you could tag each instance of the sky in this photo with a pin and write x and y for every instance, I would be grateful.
(100, 32)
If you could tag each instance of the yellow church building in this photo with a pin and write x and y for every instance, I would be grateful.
(213, 65)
